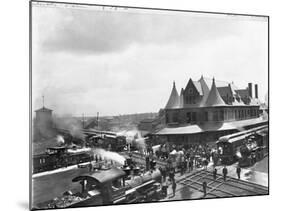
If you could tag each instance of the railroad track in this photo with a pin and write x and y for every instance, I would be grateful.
(215, 188)
(241, 184)
(219, 188)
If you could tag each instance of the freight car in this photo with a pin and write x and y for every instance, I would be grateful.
(58, 157)
(110, 186)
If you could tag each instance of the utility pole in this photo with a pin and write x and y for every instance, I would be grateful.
(119, 121)
(43, 100)
(97, 119)
(83, 121)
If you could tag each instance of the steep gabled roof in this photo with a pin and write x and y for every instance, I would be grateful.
(214, 98)
(236, 103)
(209, 82)
(229, 91)
(212, 93)
(205, 90)
(225, 91)
(198, 87)
(232, 86)
(181, 98)
(173, 101)
(243, 93)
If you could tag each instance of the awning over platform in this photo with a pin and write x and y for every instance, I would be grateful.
(219, 126)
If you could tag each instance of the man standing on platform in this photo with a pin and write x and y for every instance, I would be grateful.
(174, 186)
(215, 173)
(172, 174)
(165, 186)
(164, 174)
(224, 171)
(238, 171)
(190, 165)
(147, 163)
(204, 184)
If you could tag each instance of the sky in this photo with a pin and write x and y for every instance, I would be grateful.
(89, 59)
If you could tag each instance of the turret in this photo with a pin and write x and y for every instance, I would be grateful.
(214, 98)
(173, 101)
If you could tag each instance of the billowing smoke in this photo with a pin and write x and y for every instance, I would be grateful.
(73, 125)
(108, 155)
(76, 131)
(131, 136)
(60, 140)
(140, 143)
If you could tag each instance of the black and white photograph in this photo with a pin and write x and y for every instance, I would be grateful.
(145, 105)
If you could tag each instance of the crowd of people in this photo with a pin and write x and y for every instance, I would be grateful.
(181, 160)
(186, 158)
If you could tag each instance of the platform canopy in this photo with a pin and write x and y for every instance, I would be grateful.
(220, 126)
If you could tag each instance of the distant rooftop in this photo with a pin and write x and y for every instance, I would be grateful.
(43, 109)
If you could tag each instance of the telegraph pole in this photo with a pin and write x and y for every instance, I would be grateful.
(43, 100)
(83, 120)
(97, 119)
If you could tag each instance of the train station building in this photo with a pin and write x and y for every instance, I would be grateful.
(208, 109)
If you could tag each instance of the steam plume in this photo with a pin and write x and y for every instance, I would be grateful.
(109, 155)
(60, 140)
(71, 124)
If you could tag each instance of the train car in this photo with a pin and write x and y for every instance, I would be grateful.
(109, 186)
(57, 157)
(96, 138)
(251, 156)
(107, 141)
(237, 146)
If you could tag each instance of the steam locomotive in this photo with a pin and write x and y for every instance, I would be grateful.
(246, 147)
(110, 186)
(102, 139)
(61, 156)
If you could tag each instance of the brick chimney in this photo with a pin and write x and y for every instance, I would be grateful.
(250, 90)
(256, 91)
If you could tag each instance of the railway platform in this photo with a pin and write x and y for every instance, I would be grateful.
(190, 187)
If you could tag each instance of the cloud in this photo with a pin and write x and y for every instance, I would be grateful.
(113, 62)
(100, 32)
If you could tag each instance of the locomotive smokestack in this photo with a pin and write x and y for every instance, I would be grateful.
(256, 91)
(250, 90)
